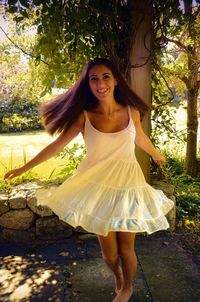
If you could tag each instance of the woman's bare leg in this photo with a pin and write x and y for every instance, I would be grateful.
(109, 248)
(129, 264)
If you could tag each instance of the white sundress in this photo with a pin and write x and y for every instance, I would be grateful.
(108, 191)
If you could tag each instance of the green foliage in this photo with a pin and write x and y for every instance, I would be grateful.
(188, 196)
(164, 126)
(175, 72)
(28, 176)
(187, 188)
(19, 117)
(67, 36)
(168, 95)
(74, 155)
(20, 89)
(5, 186)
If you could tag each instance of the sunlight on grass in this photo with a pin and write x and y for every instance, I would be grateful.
(16, 149)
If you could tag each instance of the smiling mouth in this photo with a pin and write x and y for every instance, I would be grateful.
(102, 91)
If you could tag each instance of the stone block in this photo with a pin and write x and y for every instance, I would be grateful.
(171, 215)
(4, 205)
(79, 229)
(17, 236)
(17, 219)
(52, 228)
(164, 186)
(41, 211)
(29, 186)
(17, 200)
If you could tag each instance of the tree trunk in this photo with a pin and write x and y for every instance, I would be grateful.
(192, 117)
(140, 62)
(192, 125)
(192, 84)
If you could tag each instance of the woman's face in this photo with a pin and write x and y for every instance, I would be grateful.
(102, 82)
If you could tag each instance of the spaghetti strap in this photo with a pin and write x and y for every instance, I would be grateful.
(129, 112)
(85, 114)
(130, 117)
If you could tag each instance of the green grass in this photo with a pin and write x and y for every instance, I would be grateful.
(17, 149)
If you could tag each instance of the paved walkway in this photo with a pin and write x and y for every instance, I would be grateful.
(72, 270)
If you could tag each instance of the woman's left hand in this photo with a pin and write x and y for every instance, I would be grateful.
(159, 160)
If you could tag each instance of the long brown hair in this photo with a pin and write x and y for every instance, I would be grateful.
(59, 114)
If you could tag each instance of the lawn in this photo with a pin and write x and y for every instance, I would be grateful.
(18, 148)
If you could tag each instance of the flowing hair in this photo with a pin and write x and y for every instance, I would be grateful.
(59, 114)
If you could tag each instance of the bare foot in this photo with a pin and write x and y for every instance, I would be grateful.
(119, 281)
(124, 295)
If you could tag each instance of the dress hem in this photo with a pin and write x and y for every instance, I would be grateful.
(117, 224)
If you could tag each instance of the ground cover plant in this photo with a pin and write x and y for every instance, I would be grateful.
(188, 205)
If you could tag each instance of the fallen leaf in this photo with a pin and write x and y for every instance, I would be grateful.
(166, 243)
(64, 254)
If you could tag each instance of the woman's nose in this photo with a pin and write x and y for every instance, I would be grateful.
(100, 83)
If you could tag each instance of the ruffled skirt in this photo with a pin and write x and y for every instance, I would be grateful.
(110, 195)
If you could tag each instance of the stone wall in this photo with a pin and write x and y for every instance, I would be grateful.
(22, 221)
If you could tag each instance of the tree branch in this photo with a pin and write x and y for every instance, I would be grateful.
(21, 49)
(178, 43)
(184, 79)
(166, 83)
(140, 65)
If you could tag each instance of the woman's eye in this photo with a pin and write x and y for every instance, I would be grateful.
(106, 77)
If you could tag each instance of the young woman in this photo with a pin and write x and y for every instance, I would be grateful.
(108, 194)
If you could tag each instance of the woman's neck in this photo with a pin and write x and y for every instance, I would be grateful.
(108, 108)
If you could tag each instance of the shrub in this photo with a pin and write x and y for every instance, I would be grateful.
(19, 116)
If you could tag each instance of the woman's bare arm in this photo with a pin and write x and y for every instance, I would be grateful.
(51, 150)
(143, 141)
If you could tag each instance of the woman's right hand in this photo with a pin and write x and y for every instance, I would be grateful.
(13, 173)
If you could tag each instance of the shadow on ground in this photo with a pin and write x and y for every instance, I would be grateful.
(73, 270)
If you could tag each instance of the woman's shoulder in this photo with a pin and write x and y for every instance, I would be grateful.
(80, 121)
(135, 113)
